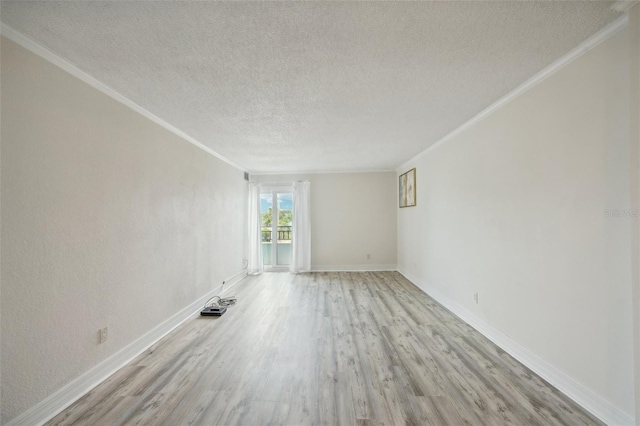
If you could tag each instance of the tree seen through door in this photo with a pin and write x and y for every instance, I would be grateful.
(276, 237)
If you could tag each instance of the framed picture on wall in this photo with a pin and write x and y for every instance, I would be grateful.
(407, 189)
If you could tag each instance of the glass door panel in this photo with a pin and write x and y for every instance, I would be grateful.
(276, 208)
(266, 211)
(285, 223)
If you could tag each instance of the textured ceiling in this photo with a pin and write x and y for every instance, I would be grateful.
(311, 86)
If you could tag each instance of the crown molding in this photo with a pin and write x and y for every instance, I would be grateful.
(320, 172)
(43, 52)
(608, 31)
(623, 6)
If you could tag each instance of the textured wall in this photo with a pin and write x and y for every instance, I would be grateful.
(515, 208)
(108, 220)
(352, 215)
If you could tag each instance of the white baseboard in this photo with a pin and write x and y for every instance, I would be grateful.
(581, 394)
(352, 268)
(74, 390)
(64, 397)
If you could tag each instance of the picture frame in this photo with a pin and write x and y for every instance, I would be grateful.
(407, 189)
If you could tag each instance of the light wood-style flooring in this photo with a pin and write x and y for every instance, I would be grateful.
(325, 349)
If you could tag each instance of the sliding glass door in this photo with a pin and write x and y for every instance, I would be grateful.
(276, 208)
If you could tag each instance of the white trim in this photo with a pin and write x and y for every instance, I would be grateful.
(623, 6)
(234, 279)
(538, 78)
(270, 187)
(281, 268)
(51, 406)
(67, 66)
(581, 394)
(352, 268)
(320, 172)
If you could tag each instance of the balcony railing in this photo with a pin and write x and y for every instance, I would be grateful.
(284, 234)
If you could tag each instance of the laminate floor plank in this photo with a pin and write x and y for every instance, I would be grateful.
(326, 348)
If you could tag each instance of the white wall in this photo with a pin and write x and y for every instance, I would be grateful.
(634, 157)
(514, 208)
(352, 215)
(108, 220)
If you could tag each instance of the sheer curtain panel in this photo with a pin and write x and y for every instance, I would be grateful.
(255, 235)
(301, 244)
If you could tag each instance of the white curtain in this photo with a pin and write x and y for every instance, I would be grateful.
(255, 235)
(301, 244)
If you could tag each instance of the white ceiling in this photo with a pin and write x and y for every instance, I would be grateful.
(311, 86)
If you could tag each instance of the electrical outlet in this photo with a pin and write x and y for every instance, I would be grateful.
(475, 297)
(368, 256)
(104, 335)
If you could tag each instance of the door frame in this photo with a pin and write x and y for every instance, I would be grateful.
(274, 190)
